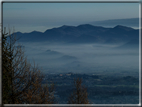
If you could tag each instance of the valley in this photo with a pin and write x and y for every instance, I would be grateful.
(107, 59)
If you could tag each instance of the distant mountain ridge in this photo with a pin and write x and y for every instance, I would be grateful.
(132, 22)
(85, 33)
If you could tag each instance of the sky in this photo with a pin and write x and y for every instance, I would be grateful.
(27, 17)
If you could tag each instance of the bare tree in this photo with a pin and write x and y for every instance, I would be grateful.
(79, 95)
(21, 81)
(5, 68)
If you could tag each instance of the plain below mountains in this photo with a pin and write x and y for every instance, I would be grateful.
(85, 33)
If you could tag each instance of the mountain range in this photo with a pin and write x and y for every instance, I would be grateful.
(85, 33)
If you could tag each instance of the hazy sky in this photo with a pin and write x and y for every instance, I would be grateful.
(26, 17)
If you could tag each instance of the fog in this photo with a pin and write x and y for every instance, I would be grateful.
(83, 58)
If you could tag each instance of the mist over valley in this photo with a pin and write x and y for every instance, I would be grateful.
(84, 49)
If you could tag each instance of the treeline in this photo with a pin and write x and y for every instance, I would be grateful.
(22, 81)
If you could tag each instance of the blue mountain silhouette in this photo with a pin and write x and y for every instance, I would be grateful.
(85, 33)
